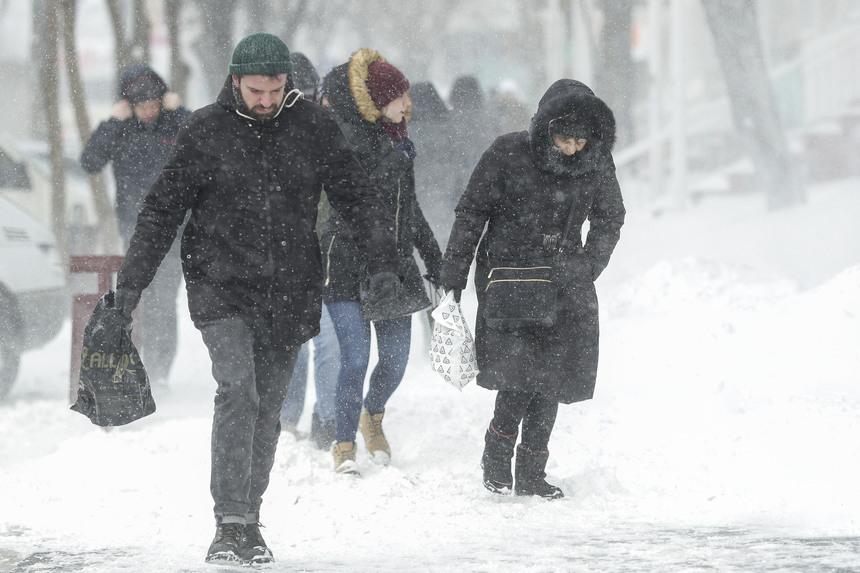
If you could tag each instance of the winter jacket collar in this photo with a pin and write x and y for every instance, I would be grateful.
(231, 98)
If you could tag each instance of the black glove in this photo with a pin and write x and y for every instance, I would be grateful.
(406, 146)
(456, 292)
(125, 300)
(434, 274)
(383, 286)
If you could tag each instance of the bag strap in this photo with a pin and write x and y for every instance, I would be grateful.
(567, 225)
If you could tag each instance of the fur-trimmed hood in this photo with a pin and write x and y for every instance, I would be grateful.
(574, 101)
(345, 87)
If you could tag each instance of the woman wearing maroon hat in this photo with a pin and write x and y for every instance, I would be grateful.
(371, 99)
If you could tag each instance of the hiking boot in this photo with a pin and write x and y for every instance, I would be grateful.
(225, 546)
(322, 433)
(371, 428)
(252, 546)
(496, 461)
(344, 458)
(531, 476)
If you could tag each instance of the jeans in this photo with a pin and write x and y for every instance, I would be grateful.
(393, 338)
(536, 412)
(252, 382)
(326, 368)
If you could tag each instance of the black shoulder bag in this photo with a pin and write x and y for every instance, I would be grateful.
(525, 293)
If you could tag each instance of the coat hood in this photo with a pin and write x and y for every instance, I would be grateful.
(346, 89)
(139, 82)
(575, 103)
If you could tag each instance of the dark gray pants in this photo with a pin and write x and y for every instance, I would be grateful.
(252, 383)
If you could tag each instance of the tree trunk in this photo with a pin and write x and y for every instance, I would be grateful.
(141, 27)
(105, 216)
(178, 68)
(215, 46)
(614, 73)
(122, 48)
(734, 27)
(50, 87)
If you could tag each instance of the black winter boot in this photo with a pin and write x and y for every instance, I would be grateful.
(252, 546)
(496, 461)
(225, 546)
(322, 433)
(531, 475)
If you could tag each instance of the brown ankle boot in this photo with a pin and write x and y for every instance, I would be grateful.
(344, 458)
(374, 438)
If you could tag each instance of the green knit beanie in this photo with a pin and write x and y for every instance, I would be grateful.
(261, 54)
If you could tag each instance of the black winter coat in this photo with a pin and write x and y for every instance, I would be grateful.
(523, 189)
(138, 151)
(249, 249)
(391, 172)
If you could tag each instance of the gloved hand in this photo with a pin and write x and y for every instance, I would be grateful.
(434, 274)
(125, 300)
(406, 146)
(383, 286)
(446, 289)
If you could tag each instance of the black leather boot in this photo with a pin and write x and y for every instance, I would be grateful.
(496, 461)
(531, 475)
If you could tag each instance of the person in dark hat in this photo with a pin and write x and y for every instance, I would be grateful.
(533, 191)
(326, 350)
(247, 172)
(136, 141)
(305, 77)
(371, 99)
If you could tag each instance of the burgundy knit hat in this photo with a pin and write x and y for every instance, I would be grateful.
(385, 83)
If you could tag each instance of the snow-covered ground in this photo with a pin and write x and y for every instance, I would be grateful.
(724, 435)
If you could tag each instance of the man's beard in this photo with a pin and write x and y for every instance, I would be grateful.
(260, 116)
(243, 106)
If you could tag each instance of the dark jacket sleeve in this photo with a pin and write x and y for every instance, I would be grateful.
(353, 197)
(471, 214)
(100, 146)
(605, 220)
(163, 212)
(422, 237)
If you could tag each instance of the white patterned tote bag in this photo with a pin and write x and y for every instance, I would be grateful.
(452, 349)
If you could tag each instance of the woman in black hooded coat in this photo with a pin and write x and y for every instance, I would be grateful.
(362, 94)
(525, 188)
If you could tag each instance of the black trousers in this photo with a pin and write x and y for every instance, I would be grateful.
(536, 412)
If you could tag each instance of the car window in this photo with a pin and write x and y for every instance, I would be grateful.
(13, 175)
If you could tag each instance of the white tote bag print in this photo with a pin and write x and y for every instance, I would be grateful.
(452, 349)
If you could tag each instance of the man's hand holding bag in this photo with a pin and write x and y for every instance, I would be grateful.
(114, 387)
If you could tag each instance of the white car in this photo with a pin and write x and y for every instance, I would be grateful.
(34, 300)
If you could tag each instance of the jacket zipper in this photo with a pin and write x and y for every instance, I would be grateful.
(328, 262)
(397, 217)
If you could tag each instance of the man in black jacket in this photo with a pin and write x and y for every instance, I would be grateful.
(137, 140)
(249, 168)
